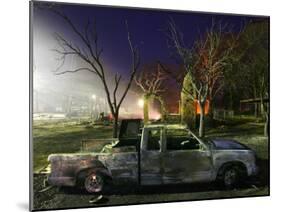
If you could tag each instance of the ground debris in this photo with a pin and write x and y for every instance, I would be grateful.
(45, 189)
(255, 187)
(98, 199)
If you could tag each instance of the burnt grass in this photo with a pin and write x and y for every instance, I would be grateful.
(65, 137)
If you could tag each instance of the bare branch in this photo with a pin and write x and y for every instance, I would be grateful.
(151, 81)
(135, 65)
(75, 70)
(117, 79)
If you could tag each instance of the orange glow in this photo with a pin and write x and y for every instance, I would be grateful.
(206, 108)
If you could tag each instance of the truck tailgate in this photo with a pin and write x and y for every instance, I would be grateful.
(95, 145)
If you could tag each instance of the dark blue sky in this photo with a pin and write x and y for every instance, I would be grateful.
(146, 28)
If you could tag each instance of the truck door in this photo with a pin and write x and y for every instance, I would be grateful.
(150, 157)
(184, 159)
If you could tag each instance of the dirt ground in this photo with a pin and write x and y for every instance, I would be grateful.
(74, 198)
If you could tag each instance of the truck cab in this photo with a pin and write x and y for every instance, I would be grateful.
(168, 155)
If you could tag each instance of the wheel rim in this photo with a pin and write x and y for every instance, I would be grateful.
(230, 177)
(94, 183)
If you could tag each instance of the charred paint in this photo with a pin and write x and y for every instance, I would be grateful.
(153, 164)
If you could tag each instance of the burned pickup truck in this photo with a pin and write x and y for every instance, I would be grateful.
(154, 155)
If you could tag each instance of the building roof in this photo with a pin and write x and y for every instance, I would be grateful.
(255, 100)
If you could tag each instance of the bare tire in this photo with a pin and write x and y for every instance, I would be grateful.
(94, 183)
(230, 177)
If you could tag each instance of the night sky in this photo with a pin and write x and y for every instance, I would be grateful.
(147, 29)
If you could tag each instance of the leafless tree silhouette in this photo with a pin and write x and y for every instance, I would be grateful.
(151, 83)
(204, 63)
(87, 48)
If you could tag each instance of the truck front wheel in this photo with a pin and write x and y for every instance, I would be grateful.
(94, 183)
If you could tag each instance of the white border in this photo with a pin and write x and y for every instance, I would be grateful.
(14, 104)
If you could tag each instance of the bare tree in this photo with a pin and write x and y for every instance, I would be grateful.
(151, 83)
(254, 63)
(213, 53)
(203, 63)
(88, 50)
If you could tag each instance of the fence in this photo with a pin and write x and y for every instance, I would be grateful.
(223, 114)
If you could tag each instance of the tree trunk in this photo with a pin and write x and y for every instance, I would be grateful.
(256, 104)
(146, 109)
(211, 111)
(264, 110)
(163, 112)
(256, 110)
(181, 111)
(230, 99)
(266, 125)
(202, 118)
(115, 125)
(162, 108)
(187, 111)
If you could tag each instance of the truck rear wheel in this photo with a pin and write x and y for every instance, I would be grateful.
(230, 177)
(94, 183)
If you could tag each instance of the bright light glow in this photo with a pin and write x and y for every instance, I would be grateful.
(94, 96)
(36, 81)
(157, 116)
(140, 103)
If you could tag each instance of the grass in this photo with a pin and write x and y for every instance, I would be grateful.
(62, 137)
(65, 136)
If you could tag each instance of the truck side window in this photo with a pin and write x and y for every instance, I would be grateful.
(178, 140)
(153, 140)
